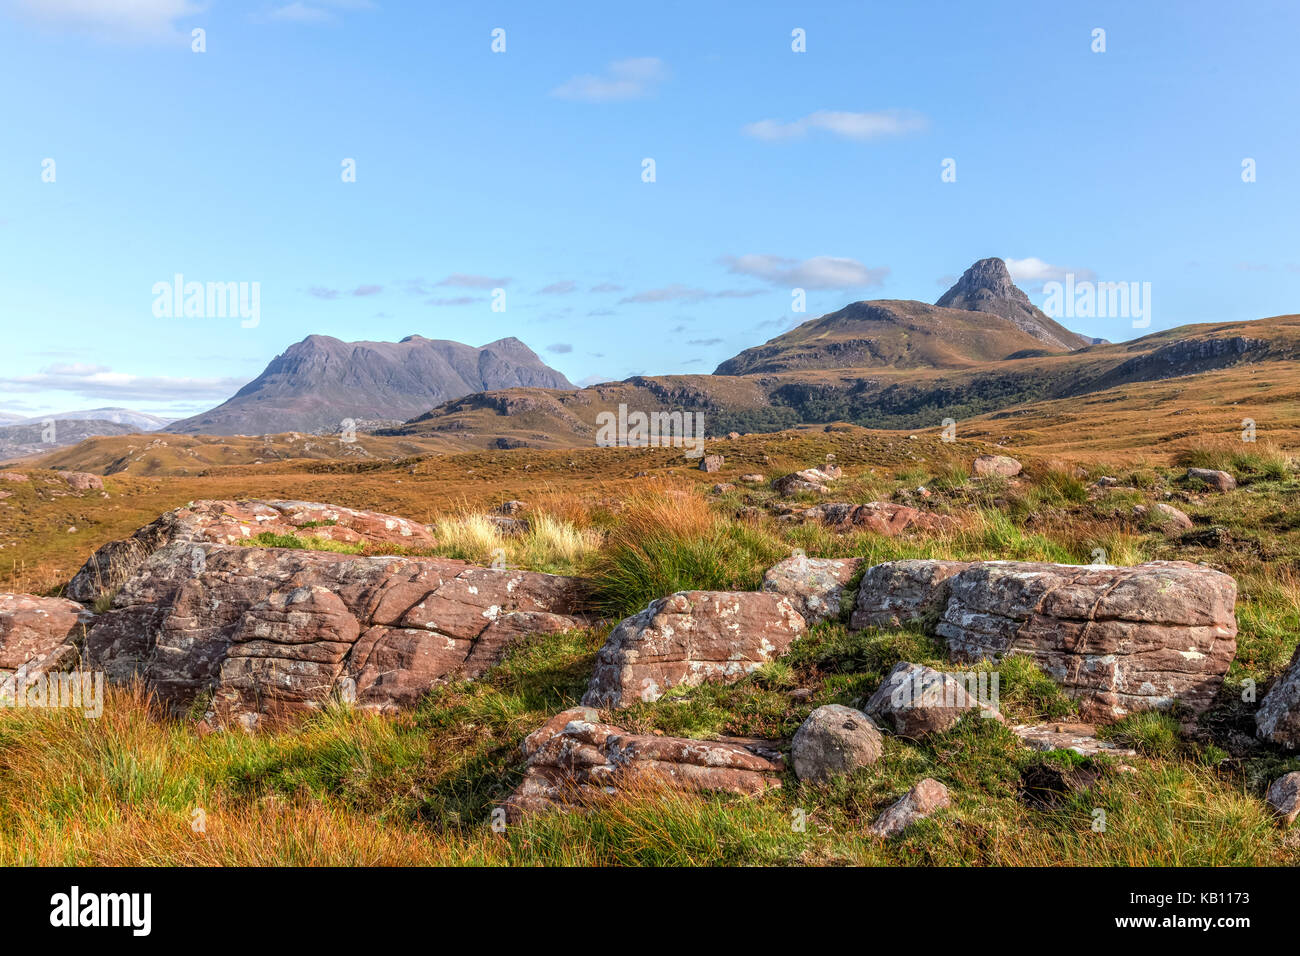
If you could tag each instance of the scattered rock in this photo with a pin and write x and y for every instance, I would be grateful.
(711, 463)
(754, 478)
(815, 586)
(882, 517)
(512, 507)
(834, 741)
(38, 634)
(1278, 717)
(275, 632)
(1081, 738)
(923, 800)
(574, 759)
(897, 593)
(918, 701)
(228, 522)
(723, 487)
(1284, 798)
(507, 525)
(1218, 480)
(1106, 481)
(810, 479)
(13, 476)
(995, 466)
(1118, 639)
(733, 435)
(690, 638)
(81, 481)
(1167, 516)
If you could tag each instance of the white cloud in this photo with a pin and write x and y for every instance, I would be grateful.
(316, 11)
(622, 80)
(461, 280)
(137, 20)
(819, 272)
(1034, 270)
(861, 127)
(563, 287)
(683, 293)
(100, 381)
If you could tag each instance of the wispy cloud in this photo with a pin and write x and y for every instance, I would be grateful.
(820, 272)
(136, 20)
(622, 80)
(861, 127)
(317, 11)
(704, 341)
(683, 293)
(563, 287)
(462, 281)
(607, 287)
(100, 381)
(560, 348)
(322, 292)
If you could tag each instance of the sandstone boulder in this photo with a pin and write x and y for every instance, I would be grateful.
(917, 701)
(995, 466)
(1118, 638)
(815, 586)
(834, 741)
(1079, 737)
(690, 638)
(574, 759)
(711, 463)
(1218, 480)
(1284, 798)
(81, 481)
(753, 478)
(38, 634)
(273, 632)
(1278, 717)
(15, 476)
(228, 522)
(1166, 516)
(923, 800)
(898, 593)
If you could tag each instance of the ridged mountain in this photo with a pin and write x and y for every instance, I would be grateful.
(316, 384)
(983, 318)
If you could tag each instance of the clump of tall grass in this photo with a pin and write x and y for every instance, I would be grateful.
(666, 542)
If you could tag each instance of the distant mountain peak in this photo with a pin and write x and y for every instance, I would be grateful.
(316, 384)
(987, 287)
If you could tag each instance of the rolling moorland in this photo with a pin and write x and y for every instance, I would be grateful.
(1106, 433)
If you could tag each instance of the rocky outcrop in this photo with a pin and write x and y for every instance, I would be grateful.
(38, 634)
(273, 632)
(883, 517)
(898, 593)
(995, 466)
(1119, 639)
(925, 799)
(690, 638)
(574, 759)
(917, 701)
(1278, 717)
(834, 741)
(815, 586)
(711, 463)
(229, 522)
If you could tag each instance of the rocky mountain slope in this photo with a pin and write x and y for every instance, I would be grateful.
(987, 287)
(320, 382)
(25, 439)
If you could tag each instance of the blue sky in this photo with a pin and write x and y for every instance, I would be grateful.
(522, 170)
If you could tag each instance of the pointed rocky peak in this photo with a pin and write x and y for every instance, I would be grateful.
(987, 287)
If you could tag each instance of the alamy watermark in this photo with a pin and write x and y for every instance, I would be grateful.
(638, 429)
(1085, 299)
(959, 690)
(73, 690)
(179, 299)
